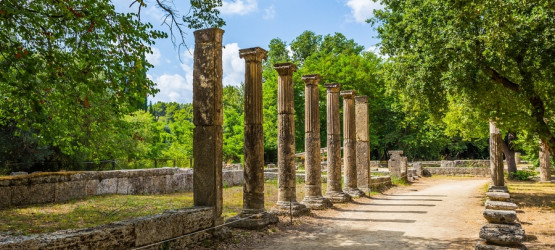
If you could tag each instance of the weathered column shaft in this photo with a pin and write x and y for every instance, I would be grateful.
(313, 178)
(312, 138)
(253, 189)
(334, 191)
(208, 118)
(334, 138)
(286, 134)
(545, 163)
(496, 155)
(362, 143)
(287, 179)
(349, 144)
(253, 215)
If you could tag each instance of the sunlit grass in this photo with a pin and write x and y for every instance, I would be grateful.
(98, 210)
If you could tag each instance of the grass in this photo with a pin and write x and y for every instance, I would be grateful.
(98, 210)
(536, 211)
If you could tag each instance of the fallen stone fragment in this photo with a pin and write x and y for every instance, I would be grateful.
(502, 234)
(500, 216)
(498, 196)
(483, 245)
(500, 205)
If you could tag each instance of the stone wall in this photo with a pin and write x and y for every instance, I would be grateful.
(63, 186)
(376, 180)
(455, 171)
(128, 234)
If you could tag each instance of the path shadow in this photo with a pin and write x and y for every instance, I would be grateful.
(369, 220)
(416, 195)
(363, 239)
(386, 199)
(393, 205)
(380, 211)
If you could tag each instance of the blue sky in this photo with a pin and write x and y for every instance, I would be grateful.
(250, 23)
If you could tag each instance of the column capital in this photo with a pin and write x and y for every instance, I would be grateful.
(361, 98)
(333, 87)
(314, 79)
(285, 69)
(348, 94)
(255, 54)
(208, 35)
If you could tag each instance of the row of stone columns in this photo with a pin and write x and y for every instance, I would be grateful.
(208, 138)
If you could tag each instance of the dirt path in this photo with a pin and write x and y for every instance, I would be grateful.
(430, 214)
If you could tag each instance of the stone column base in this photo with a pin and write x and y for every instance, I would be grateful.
(289, 208)
(484, 245)
(338, 197)
(354, 192)
(366, 190)
(317, 202)
(257, 221)
(503, 189)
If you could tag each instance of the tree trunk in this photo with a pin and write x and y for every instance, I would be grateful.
(509, 152)
(545, 163)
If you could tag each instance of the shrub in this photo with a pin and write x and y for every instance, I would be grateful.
(522, 175)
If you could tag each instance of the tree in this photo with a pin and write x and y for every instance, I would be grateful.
(494, 56)
(305, 45)
(70, 70)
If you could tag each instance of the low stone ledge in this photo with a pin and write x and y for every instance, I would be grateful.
(456, 171)
(123, 235)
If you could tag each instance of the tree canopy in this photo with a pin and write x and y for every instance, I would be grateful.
(476, 59)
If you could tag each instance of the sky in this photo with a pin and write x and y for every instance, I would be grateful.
(249, 23)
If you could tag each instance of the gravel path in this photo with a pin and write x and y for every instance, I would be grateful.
(430, 214)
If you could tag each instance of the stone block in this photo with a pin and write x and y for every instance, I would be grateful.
(498, 196)
(500, 205)
(5, 197)
(483, 245)
(107, 186)
(70, 190)
(500, 216)
(20, 242)
(32, 194)
(123, 186)
(502, 189)
(158, 184)
(502, 234)
(91, 186)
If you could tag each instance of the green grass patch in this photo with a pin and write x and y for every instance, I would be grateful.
(98, 210)
(399, 181)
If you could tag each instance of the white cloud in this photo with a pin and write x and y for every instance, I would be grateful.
(362, 9)
(233, 66)
(270, 12)
(376, 50)
(289, 51)
(238, 7)
(173, 88)
(154, 58)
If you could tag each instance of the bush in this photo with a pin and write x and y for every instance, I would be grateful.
(522, 175)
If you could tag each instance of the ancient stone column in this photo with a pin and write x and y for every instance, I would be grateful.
(253, 189)
(208, 119)
(545, 163)
(349, 144)
(334, 191)
(313, 179)
(287, 184)
(496, 155)
(362, 143)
